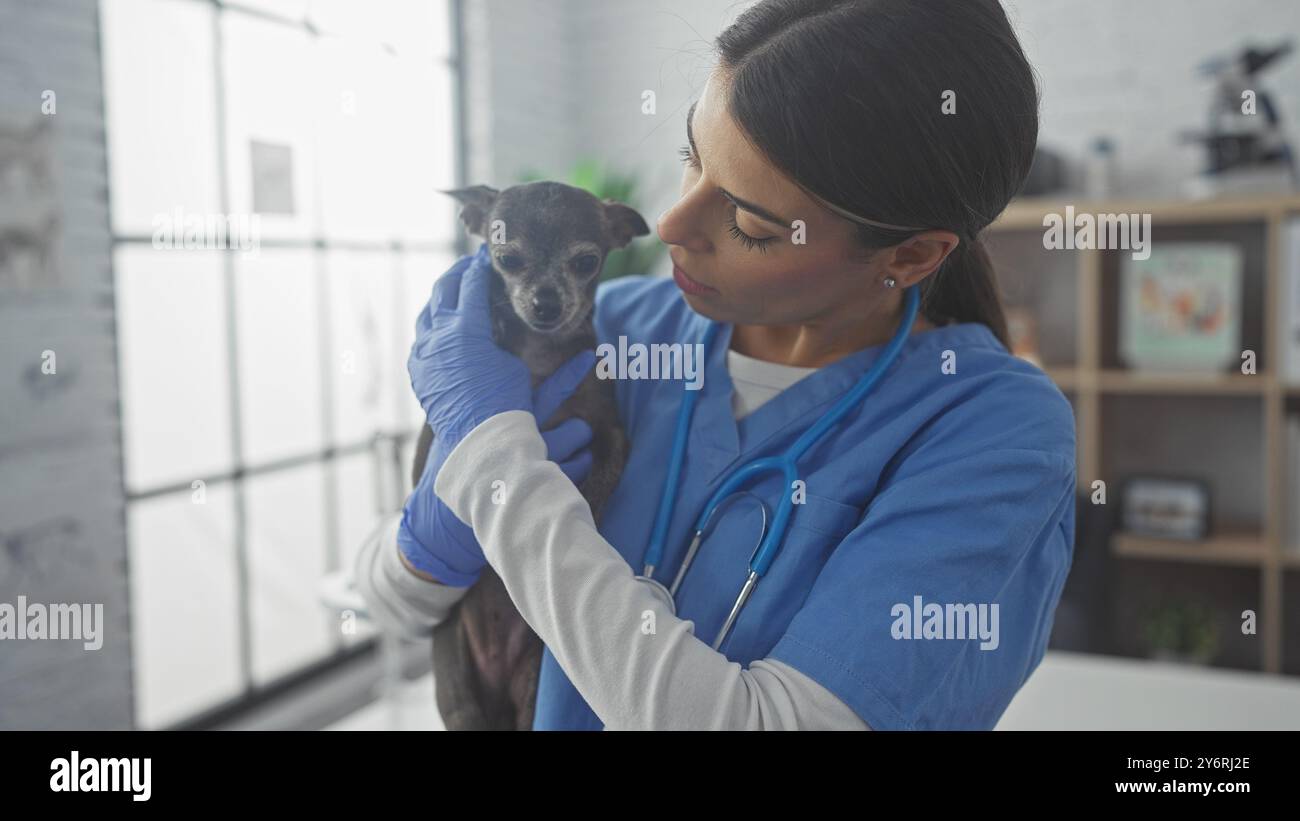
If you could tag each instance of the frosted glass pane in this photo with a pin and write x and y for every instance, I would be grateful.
(277, 316)
(286, 522)
(419, 271)
(415, 28)
(406, 457)
(424, 151)
(386, 144)
(356, 148)
(184, 600)
(359, 512)
(175, 377)
(159, 106)
(268, 103)
(359, 508)
(289, 10)
(365, 368)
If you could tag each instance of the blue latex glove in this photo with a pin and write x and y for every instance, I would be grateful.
(452, 362)
(457, 371)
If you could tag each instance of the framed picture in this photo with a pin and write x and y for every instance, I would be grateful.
(1180, 309)
(1166, 507)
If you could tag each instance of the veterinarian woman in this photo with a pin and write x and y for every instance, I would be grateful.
(841, 153)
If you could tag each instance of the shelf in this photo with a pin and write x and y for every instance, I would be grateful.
(1214, 425)
(1027, 213)
(1120, 381)
(1138, 382)
(1243, 547)
(1066, 378)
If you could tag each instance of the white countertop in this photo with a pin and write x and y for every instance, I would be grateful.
(1076, 691)
(1068, 691)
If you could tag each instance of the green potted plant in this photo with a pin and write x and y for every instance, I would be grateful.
(641, 255)
(1183, 632)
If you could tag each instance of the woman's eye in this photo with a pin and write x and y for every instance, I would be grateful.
(586, 264)
(749, 242)
(510, 262)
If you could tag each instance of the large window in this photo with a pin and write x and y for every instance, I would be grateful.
(266, 411)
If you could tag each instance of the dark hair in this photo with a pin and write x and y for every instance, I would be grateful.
(846, 97)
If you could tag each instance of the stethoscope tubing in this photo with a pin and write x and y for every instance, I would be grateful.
(784, 463)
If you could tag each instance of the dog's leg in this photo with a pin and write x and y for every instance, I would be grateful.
(506, 653)
(465, 700)
(608, 454)
(422, 446)
(595, 401)
(488, 654)
(522, 684)
(459, 696)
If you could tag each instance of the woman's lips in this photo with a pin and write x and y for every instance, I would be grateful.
(689, 285)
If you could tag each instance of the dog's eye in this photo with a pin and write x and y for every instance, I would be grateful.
(510, 262)
(586, 264)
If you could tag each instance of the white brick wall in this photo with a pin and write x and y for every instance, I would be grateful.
(524, 98)
(1127, 70)
(550, 83)
(61, 501)
(567, 78)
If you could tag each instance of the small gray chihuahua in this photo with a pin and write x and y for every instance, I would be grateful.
(548, 243)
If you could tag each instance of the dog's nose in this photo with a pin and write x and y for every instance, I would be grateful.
(546, 305)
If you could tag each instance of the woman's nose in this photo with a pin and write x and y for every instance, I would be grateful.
(681, 225)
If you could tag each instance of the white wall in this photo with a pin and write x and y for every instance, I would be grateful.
(1127, 70)
(62, 536)
(550, 83)
(567, 77)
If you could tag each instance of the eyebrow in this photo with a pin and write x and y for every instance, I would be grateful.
(744, 205)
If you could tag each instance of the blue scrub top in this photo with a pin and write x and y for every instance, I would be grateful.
(957, 488)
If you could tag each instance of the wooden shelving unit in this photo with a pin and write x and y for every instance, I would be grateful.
(1241, 547)
(1094, 379)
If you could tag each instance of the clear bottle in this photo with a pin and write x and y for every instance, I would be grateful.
(1099, 170)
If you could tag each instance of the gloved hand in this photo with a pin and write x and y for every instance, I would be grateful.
(431, 538)
(457, 371)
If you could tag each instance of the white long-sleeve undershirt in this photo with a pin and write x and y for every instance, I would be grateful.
(580, 597)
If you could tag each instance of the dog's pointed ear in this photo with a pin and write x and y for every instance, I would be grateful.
(622, 223)
(477, 203)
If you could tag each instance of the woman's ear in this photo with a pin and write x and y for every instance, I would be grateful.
(918, 256)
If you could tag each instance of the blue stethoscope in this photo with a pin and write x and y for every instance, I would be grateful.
(769, 539)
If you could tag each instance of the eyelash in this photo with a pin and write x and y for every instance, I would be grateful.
(749, 242)
(688, 156)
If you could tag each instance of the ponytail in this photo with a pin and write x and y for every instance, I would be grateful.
(874, 141)
(965, 289)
